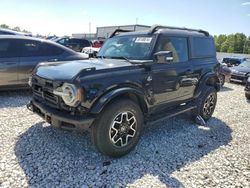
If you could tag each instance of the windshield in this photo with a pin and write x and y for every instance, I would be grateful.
(127, 47)
(245, 64)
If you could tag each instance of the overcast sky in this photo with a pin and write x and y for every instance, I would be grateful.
(64, 17)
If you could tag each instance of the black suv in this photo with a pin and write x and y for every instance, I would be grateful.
(136, 77)
(76, 44)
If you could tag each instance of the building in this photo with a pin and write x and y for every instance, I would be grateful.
(106, 31)
(89, 36)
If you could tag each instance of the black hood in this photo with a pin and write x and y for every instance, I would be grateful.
(67, 70)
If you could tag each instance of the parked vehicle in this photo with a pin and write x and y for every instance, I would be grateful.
(19, 55)
(11, 32)
(76, 44)
(97, 43)
(90, 51)
(137, 77)
(233, 61)
(224, 73)
(241, 72)
(247, 89)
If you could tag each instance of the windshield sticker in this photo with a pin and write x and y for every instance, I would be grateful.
(143, 39)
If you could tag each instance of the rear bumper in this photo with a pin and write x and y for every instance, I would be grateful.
(60, 119)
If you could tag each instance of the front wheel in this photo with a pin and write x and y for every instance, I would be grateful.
(118, 129)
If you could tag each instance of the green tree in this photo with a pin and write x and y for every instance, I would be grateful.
(239, 42)
(16, 29)
(219, 40)
(4, 26)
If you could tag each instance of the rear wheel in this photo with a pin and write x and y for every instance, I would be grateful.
(221, 79)
(118, 129)
(247, 96)
(206, 104)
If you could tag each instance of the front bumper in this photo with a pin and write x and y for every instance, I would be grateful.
(60, 119)
(238, 78)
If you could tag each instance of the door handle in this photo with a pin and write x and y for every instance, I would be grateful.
(52, 60)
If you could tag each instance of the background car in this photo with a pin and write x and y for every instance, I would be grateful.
(19, 55)
(97, 43)
(233, 61)
(76, 44)
(241, 72)
(247, 89)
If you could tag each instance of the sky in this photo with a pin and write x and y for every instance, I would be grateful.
(64, 17)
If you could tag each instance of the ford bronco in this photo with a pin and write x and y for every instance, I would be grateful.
(136, 77)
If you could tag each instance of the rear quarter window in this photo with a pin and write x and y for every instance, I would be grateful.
(203, 47)
(51, 50)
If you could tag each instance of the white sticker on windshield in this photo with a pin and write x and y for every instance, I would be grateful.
(143, 39)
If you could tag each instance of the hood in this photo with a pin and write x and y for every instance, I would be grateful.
(240, 69)
(67, 70)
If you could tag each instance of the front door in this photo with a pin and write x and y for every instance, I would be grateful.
(173, 82)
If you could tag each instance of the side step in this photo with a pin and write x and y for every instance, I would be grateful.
(170, 113)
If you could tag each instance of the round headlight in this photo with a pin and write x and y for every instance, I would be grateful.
(69, 94)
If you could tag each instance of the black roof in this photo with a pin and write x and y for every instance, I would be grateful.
(170, 31)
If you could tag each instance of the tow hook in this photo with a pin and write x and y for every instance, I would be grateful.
(30, 106)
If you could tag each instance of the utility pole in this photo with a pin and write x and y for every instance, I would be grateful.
(89, 27)
(136, 21)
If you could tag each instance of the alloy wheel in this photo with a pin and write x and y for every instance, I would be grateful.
(123, 129)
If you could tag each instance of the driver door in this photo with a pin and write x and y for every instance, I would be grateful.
(173, 81)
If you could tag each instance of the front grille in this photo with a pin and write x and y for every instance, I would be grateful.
(237, 77)
(43, 92)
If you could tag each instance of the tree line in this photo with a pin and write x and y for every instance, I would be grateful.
(233, 43)
(14, 28)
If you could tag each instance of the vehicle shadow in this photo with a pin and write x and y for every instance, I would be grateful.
(54, 157)
(14, 98)
(225, 88)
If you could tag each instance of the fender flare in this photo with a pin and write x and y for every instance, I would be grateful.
(108, 97)
(210, 79)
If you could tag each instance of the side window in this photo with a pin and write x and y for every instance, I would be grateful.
(31, 48)
(177, 45)
(203, 47)
(8, 48)
(51, 50)
(85, 43)
(63, 41)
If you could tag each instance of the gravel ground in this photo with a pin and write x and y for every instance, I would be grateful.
(174, 153)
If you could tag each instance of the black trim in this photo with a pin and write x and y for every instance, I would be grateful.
(60, 119)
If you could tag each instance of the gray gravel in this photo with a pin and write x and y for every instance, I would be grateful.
(174, 153)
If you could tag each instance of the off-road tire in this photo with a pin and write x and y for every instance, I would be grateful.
(110, 116)
(222, 79)
(247, 96)
(203, 102)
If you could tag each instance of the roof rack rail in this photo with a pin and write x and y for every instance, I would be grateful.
(154, 28)
(119, 31)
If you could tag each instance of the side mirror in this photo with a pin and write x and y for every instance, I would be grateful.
(163, 57)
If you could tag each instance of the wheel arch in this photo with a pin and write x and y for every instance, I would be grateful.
(210, 79)
(133, 94)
